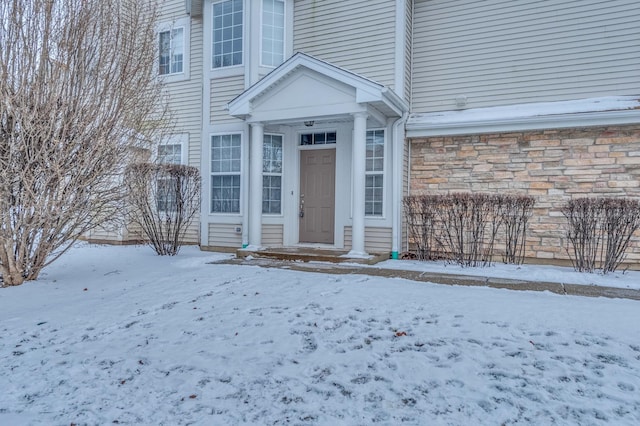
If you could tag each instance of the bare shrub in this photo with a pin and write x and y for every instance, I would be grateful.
(467, 232)
(621, 221)
(515, 212)
(420, 212)
(584, 234)
(599, 231)
(78, 91)
(464, 228)
(165, 198)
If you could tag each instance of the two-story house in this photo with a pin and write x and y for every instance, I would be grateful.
(311, 119)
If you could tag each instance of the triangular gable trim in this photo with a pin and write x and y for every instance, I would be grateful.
(366, 90)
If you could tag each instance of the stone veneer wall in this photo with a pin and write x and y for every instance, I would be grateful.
(550, 165)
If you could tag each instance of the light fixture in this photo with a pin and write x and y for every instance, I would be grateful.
(309, 123)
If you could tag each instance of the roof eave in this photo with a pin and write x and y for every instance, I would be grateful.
(417, 129)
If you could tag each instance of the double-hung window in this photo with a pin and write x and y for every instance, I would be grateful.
(374, 173)
(225, 173)
(166, 187)
(272, 174)
(170, 153)
(171, 52)
(227, 33)
(272, 51)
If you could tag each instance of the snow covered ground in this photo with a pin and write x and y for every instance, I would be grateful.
(545, 273)
(118, 335)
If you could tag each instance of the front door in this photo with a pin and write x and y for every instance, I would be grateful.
(317, 195)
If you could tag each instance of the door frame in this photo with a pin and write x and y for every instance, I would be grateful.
(298, 189)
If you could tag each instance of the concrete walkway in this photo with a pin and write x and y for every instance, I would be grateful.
(439, 278)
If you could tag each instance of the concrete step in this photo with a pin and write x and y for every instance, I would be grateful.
(311, 254)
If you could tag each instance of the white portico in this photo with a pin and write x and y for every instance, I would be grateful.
(324, 162)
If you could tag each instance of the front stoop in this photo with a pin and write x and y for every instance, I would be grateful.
(311, 254)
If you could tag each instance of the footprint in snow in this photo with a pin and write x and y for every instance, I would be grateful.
(628, 387)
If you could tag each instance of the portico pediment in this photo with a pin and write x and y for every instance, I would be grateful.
(305, 87)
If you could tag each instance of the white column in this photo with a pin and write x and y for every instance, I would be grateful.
(255, 185)
(358, 165)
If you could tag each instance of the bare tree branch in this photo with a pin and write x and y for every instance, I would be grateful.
(78, 98)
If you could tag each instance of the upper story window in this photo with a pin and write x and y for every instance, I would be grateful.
(173, 49)
(272, 51)
(227, 33)
(171, 54)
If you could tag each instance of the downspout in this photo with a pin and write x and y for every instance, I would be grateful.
(398, 126)
(398, 157)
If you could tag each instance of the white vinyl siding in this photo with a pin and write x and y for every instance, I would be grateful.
(272, 235)
(185, 89)
(224, 235)
(358, 35)
(376, 239)
(408, 49)
(502, 52)
(224, 90)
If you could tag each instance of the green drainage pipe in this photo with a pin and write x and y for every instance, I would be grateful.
(394, 255)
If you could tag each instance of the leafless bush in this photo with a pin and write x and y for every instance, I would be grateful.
(621, 220)
(599, 231)
(584, 216)
(515, 212)
(469, 227)
(464, 227)
(423, 228)
(78, 92)
(165, 198)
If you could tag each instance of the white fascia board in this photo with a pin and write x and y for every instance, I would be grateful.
(417, 128)
(395, 102)
(366, 90)
(377, 115)
(364, 96)
(311, 112)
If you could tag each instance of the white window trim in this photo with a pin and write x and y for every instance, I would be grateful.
(170, 31)
(229, 70)
(181, 139)
(383, 173)
(183, 23)
(177, 139)
(284, 35)
(281, 174)
(210, 174)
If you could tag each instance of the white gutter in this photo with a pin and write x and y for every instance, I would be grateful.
(423, 128)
